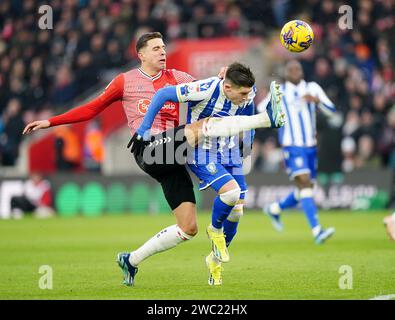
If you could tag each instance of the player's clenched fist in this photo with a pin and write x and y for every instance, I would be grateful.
(35, 125)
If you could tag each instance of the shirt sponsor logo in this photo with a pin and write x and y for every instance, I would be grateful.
(187, 89)
(169, 105)
(143, 104)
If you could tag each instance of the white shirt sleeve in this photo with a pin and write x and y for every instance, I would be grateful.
(197, 90)
(261, 107)
(326, 105)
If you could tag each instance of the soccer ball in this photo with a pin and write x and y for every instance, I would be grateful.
(296, 36)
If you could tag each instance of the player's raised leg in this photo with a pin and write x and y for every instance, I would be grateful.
(274, 117)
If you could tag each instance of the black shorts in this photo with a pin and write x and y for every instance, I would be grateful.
(164, 159)
(22, 203)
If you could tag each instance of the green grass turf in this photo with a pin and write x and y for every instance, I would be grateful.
(264, 264)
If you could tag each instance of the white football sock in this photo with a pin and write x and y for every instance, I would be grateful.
(275, 208)
(216, 230)
(229, 126)
(164, 240)
(316, 230)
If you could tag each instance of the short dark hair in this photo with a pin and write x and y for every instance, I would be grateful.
(142, 41)
(240, 75)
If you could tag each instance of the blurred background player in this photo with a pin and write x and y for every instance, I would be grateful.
(298, 140)
(389, 223)
(36, 198)
(218, 163)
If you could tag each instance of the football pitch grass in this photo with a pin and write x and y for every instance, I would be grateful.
(264, 264)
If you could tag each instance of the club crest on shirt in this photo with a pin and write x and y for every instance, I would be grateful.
(212, 168)
(205, 86)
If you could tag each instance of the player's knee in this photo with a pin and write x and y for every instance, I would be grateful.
(306, 193)
(303, 182)
(190, 228)
(231, 197)
(236, 213)
(186, 218)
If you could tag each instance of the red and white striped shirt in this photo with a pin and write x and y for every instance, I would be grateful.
(135, 89)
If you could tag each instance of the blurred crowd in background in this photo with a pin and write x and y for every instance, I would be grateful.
(43, 72)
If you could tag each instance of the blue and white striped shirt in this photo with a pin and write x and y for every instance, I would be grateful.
(300, 125)
(206, 98)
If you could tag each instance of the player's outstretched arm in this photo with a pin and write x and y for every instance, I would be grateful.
(36, 125)
(111, 93)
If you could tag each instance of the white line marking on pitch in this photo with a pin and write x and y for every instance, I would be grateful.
(386, 297)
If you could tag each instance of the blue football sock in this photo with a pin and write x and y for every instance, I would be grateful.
(220, 213)
(289, 201)
(230, 229)
(310, 210)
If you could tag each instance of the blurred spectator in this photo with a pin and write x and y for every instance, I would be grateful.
(67, 149)
(11, 136)
(114, 55)
(386, 142)
(98, 52)
(36, 199)
(348, 147)
(233, 24)
(93, 147)
(64, 89)
(323, 74)
(351, 124)
(272, 156)
(36, 94)
(366, 157)
(87, 73)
